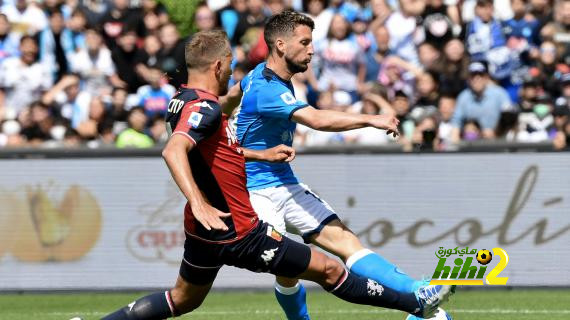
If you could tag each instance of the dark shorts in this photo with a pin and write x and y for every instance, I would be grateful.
(262, 250)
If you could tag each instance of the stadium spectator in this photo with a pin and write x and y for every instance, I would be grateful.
(118, 108)
(78, 24)
(428, 55)
(250, 23)
(95, 65)
(148, 56)
(318, 11)
(56, 46)
(446, 107)
(26, 17)
(68, 101)
(402, 27)
(89, 128)
(548, 68)
(154, 97)
(229, 16)
(158, 9)
(119, 20)
(204, 18)
(171, 56)
(37, 123)
(564, 98)
(486, 42)
(158, 130)
(560, 132)
(439, 22)
(481, 103)
(134, 136)
(9, 41)
(452, 68)
(124, 56)
(562, 28)
(425, 132)
(23, 78)
(529, 91)
(535, 126)
(471, 130)
(339, 61)
(377, 53)
(151, 23)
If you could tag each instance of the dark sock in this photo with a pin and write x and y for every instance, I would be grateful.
(355, 289)
(152, 307)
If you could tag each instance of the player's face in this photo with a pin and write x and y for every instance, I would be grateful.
(224, 74)
(299, 50)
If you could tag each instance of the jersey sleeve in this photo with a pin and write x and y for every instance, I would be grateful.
(199, 120)
(277, 101)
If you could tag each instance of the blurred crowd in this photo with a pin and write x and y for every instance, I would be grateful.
(99, 73)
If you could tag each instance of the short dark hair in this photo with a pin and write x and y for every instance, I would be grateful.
(284, 24)
(205, 47)
(26, 37)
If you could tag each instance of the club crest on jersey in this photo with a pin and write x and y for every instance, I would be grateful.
(288, 98)
(194, 119)
(274, 233)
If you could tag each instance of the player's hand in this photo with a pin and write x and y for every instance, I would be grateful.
(210, 217)
(386, 122)
(280, 153)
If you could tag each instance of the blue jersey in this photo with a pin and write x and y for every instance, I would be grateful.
(264, 121)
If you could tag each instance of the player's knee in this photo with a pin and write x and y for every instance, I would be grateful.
(286, 282)
(333, 270)
(183, 301)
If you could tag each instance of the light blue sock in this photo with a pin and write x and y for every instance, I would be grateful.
(293, 301)
(369, 264)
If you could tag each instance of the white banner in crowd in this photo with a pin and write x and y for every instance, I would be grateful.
(117, 223)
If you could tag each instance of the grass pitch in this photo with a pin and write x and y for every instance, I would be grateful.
(465, 305)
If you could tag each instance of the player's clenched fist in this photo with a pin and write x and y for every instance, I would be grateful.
(386, 122)
(280, 153)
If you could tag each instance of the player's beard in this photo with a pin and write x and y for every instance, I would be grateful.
(295, 67)
(224, 81)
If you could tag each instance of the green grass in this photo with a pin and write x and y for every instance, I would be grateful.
(465, 305)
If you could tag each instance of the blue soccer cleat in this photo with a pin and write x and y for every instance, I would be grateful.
(430, 297)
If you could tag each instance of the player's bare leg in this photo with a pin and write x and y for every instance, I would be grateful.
(183, 298)
(187, 297)
(338, 239)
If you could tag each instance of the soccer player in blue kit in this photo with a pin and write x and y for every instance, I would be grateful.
(268, 116)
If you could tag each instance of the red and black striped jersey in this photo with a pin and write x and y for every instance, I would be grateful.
(217, 163)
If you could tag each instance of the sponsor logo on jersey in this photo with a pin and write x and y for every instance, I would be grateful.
(203, 104)
(288, 98)
(195, 119)
(268, 255)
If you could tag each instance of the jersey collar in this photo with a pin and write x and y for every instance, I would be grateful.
(203, 94)
(268, 74)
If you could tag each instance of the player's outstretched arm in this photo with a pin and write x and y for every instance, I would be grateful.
(330, 120)
(175, 153)
(231, 100)
(280, 153)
